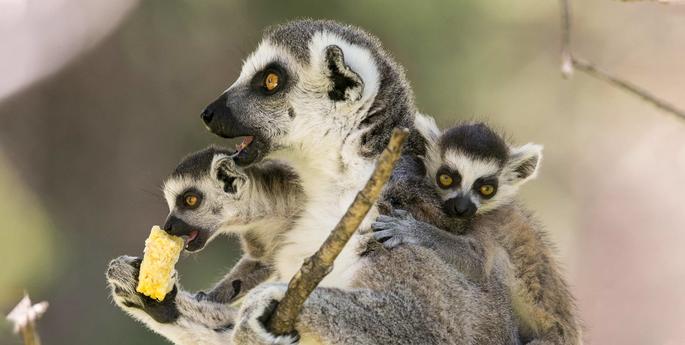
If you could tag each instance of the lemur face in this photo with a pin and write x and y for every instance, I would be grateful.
(307, 80)
(475, 171)
(204, 195)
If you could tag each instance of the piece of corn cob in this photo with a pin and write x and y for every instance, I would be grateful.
(161, 254)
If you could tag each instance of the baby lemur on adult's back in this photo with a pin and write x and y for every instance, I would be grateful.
(469, 190)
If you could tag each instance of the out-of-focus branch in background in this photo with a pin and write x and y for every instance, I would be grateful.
(569, 62)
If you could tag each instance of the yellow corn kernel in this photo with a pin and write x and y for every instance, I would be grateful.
(161, 254)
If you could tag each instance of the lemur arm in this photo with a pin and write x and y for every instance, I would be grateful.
(180, 317)
(462, 252)
(244, 276)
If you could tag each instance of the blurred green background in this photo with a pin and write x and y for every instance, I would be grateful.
(100, 100)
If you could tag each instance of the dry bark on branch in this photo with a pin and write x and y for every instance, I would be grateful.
(316, 267)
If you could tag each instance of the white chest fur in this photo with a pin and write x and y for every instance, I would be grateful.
(330, 188)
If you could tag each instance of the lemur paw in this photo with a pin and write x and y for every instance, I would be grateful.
(224, 295)
(122, 278)
(259, 304)
(398, 228)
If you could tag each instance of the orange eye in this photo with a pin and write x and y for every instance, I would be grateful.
(486, 190)
(271, 81)
(445, 180)
(191, 200)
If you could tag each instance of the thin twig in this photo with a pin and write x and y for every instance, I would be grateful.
(317, 266)
(569, 60)
(566, 55)
(598, 73)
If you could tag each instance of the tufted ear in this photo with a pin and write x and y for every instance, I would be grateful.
(345, 84)
(229, 175)
(523, 163)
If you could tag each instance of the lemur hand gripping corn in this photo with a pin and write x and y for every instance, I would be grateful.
(160, 256)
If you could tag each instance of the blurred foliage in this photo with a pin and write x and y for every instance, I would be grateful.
(25, 222)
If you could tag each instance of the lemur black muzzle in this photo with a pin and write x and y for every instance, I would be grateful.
(195, 237)
(460, 206)
(221, 119)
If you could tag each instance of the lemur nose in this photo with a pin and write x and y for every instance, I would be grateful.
(464, 210)
(207, 114)
(460, 207)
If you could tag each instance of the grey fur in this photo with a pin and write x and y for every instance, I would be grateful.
(394, 104)
(242, 278)
(407, 295)
(269, 198)
(404, 296)
(543, 304)
(464, 253)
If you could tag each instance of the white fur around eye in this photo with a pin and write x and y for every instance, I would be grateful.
(265, 54)
(470, 169)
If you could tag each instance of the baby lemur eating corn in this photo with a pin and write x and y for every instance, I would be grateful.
(469, 190)
(207, 196)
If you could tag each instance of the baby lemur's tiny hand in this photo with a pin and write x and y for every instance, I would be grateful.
(463, 252)
(401, 227)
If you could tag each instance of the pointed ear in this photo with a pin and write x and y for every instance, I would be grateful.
(345, 84)
(523, 163)
(228, 174)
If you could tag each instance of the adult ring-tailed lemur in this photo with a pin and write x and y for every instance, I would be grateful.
(325, 97)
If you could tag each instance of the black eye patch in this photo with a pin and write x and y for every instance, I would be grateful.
(491, 180)
(258, 79)
(181, 199)
(485, 185)
(454, 174)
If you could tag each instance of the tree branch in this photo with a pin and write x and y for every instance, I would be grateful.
(569, 61)
(316, 267)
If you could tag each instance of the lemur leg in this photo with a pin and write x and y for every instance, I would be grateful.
(180, 317)
(464, 253)
(244, 276)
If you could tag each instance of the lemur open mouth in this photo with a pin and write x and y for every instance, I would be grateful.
(250, 150)
(195, 240)
(191, 237)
